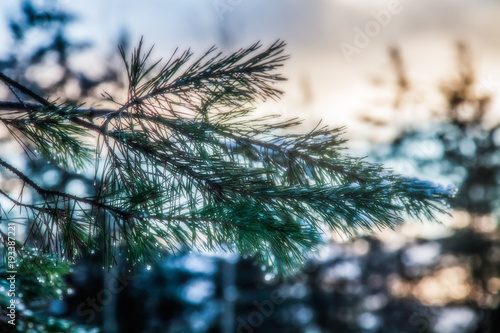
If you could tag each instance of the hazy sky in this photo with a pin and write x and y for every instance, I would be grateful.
(323, 82)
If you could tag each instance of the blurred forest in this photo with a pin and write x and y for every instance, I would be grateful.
(391, 283)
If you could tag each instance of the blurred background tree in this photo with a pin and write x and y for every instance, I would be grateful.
(461, 144)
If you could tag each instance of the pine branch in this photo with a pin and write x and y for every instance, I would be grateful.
(186, 164)
(88, 113)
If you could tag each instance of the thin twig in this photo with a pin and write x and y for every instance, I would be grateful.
(44, 192)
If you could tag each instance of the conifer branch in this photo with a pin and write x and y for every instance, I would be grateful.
(45, 193)
(186, 164)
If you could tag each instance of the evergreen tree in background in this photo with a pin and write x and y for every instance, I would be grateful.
(181, 162)
(460, 143)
